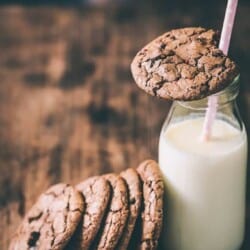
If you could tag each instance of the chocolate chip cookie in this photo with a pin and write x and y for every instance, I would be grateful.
(133, 181)
(152, 214)
(117, 214)
(183, 64)
(96, 192)
(51, 221)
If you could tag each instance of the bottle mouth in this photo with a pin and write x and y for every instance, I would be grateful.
(232, 88)
(224, 96)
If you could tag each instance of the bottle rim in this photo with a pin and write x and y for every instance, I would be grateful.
(232, 87)
(224, 96)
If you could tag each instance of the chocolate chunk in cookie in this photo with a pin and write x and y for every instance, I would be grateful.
(96, 191)
(152, 214)
(117, 215)
(51, 221)
(133, 181)
(183, 64)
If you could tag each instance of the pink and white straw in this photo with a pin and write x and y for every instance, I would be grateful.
(224, 46)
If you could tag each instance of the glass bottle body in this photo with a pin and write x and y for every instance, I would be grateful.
(205, 180)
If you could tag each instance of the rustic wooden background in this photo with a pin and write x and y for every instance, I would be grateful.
(68, 105)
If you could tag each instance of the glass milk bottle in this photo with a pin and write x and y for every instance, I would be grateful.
(205, 180)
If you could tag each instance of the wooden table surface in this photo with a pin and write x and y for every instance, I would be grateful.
(68, 106)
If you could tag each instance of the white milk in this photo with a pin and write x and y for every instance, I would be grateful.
(205, 186)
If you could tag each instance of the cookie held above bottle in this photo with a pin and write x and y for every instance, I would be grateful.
(183, 64)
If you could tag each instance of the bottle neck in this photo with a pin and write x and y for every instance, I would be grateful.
(224, 97)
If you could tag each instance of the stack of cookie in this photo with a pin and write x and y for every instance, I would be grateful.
(103, 212)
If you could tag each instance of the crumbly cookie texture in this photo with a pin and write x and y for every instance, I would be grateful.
(152, 214)
(183, 64)
(116, 216)
(51, 221)
(133, 182)
(96, 191)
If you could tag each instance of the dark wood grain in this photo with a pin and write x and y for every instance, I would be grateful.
(68, 105)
